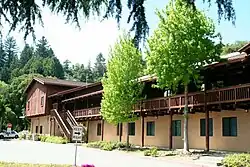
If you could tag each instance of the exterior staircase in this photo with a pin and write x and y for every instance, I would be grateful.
(66, 122)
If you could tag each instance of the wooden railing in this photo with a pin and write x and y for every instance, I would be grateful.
(217, 96)
(87, 112)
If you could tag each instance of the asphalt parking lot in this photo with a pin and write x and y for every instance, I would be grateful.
(47, 153)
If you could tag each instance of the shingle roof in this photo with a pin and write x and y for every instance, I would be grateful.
(57, 82)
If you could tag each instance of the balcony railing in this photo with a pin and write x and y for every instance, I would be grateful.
(231, 94)
(87, 112)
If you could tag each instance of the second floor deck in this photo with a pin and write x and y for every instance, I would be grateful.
(230, 95)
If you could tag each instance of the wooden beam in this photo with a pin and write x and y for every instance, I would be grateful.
(102, 128)
(207, 118)
(170, 130)
(142, 131)
(87, 136)
(54, 122)
(120, 132)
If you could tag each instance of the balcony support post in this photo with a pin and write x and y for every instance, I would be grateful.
(102, 128)
(206, 117)
(120, 132)
(87, 132)
(142, 130)
(170, 130)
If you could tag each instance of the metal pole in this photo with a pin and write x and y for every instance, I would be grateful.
(75, 153)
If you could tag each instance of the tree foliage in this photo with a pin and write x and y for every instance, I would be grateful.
(99, 67)
(120, 85)
(180, 46)
(27, 13)
(233, 47)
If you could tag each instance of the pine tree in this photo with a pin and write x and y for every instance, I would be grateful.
(99, 67)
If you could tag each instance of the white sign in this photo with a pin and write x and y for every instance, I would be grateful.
(8, 130)
(77, 133)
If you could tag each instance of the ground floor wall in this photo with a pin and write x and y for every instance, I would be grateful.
(44, 125)
(230, 130)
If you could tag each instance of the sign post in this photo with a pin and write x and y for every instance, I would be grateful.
(77, 137)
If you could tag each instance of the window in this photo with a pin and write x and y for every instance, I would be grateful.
(150, 128)
(36, 129)
(41, 129)
(229, 126)
(131, 128)
(176, 128)
(99, 129)
(203, 127)
(42, 100)
(119, 127)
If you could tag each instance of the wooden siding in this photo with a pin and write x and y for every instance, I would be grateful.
(33, 105)
(34, 97)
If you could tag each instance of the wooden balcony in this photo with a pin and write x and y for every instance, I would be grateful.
(87, 112)
(230, 95)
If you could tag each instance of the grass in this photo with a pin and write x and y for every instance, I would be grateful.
(12, 164)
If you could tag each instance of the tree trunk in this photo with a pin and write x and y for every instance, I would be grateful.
(127, 135)
(186, 146)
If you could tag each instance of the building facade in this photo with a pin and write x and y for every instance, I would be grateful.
(219, 115)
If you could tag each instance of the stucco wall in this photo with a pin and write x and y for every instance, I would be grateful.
(161, 138)
(49, 127)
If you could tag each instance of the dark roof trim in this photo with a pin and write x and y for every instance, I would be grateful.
(244, 48)
(75, 89)
(57, 82)
(83, 96)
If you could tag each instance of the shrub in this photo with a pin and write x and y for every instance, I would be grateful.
(54, 139)
(237, 160)
(108, 146)
(43, 138)
(151, 152)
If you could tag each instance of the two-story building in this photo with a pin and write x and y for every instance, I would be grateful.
(38, 106)
(219, 115)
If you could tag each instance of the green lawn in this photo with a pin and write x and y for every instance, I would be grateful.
(11, 164)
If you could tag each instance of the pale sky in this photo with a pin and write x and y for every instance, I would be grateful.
(80, 46)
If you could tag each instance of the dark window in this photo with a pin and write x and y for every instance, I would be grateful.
(41, 129)
(42, 100)
(150, 128)
(119, 129)
(229, 126)
(99, 129)
(131, 128)
(176, 128)
(203, 127)
(36, 129)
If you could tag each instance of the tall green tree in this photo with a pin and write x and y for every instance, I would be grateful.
(67, 69)
(2, 54)
(180, 46)
(26, 54)
(120, 85)
(27, 13)
(16, 99)
(89, 73)
(99, 67)
(3, 104)
(79, 72)
(233, 47)
(10, 60)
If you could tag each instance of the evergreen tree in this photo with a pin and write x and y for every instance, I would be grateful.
(26, 54)
(67, 69)
(43, 49)
(99, 67)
